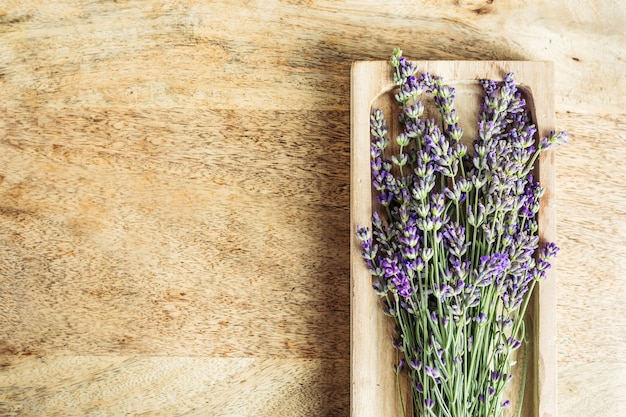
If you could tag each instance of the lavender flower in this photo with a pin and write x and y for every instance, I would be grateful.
(554, 139)
(432, 372)
(454, 240)
(491, 268)
(454, 254)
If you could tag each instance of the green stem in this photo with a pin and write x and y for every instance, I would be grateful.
(523, 387)
(399, 387)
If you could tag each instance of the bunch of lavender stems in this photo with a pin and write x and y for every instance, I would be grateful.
(454, 252)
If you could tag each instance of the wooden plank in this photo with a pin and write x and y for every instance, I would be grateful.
(293, 54)
(592, 231)
(151, 232)
(581, 384)
(373, 385)
(172, 386)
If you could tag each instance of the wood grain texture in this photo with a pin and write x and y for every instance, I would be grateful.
(174, 180)
(190, 386)
(585, 383)
(160, 248)
(592, 232)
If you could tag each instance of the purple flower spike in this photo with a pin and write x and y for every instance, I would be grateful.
(549, 251)
(454, 249)
(491, 269)
(454, 239)
(554, 139)
(489, 86)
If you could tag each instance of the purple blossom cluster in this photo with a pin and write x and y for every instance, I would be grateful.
(454, 251)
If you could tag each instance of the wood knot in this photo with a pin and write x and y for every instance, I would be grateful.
(477, 6)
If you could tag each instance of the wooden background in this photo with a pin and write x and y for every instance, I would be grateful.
(174, 196)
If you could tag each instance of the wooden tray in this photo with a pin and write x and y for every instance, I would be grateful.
(373, 383)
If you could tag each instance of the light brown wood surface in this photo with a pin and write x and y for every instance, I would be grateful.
(174, 196)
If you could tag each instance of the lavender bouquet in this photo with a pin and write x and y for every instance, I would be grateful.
(454, 250)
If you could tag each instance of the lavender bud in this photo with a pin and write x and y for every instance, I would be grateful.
(504, 323)
(454, 195)
(489, 86)
(406, 307)
(437, 204)
(456, 310)
(400, 366)
(377, 271)
(426, 224)
(514, 343)
(363, 233)
(403, 140)
(389, 311)
(397, 343)
(460, 150)
(554, 139)
(461, 269)
(464, 185)
(428, 403)
(410, 253)
(424, 169)
(478, 182)
(414, 111)
(549, 251)
(456, 133)
(481, 318)
(476, 219)
(490, 236)
(397, 53)
(420, 193)
(400, 160)
(416, 364)
(401, 97)
(432, 372)
(423, 209)
(379, 289)
(459, 287)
